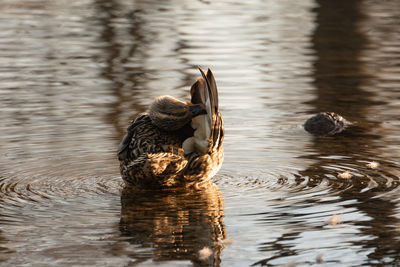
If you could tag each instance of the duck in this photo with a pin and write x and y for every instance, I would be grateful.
(326, 124)
(175, 143)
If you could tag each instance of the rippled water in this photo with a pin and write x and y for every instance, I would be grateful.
(74, 73)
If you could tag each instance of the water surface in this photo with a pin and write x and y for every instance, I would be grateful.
(73, 74)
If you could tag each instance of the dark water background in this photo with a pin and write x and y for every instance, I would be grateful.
(74, 73)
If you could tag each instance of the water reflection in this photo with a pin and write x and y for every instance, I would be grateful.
(340, 80)
(381, 228)
(338, 69)
(176, 225)
(121, 45)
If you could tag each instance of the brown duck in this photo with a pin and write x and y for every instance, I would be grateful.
(175, 144)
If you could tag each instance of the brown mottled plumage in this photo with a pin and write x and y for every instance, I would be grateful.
(175, 144)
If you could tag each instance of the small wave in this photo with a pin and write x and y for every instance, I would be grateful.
(39, 181)
(327, 177)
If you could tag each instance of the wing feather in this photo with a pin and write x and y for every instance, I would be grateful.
(212, 107)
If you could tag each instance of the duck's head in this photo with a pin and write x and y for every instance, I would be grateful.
(170, 114)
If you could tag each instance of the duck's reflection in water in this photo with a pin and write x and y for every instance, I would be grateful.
(178, 225)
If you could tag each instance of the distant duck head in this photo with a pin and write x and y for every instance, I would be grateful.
(170, 114)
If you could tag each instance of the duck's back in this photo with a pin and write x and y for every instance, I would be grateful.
(151, 157)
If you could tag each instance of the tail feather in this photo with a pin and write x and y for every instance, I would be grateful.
(213, 88)
(212, 107)
(209, 99)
